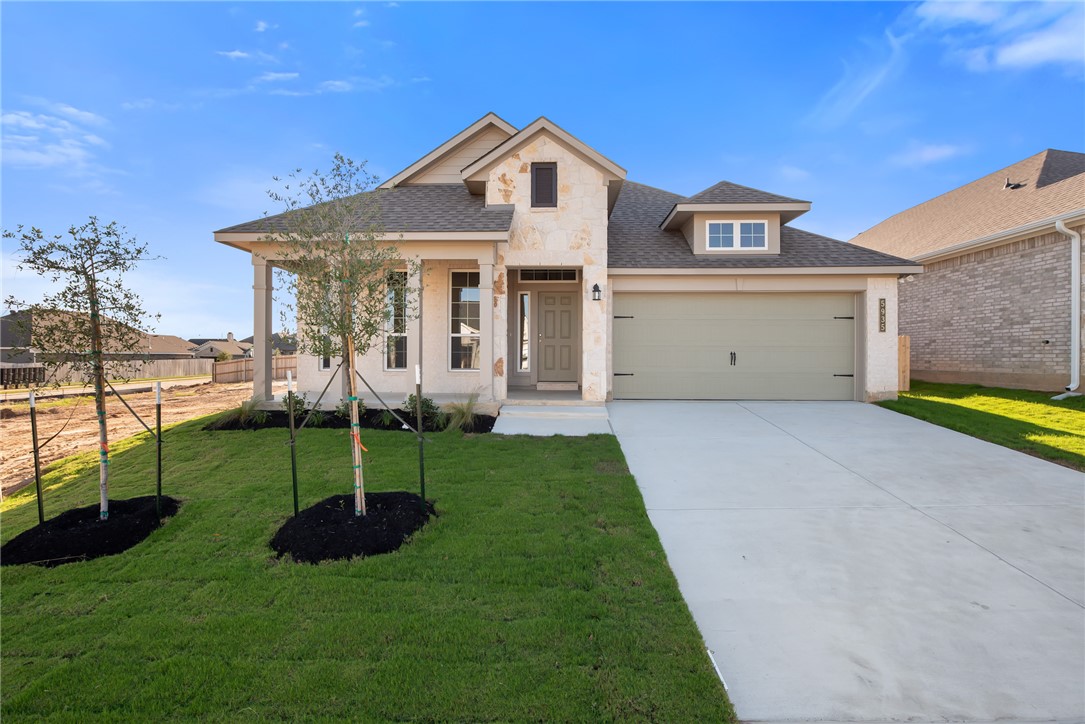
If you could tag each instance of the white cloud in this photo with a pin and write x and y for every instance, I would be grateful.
(47, 142)
(421, 79)
(923, 154)
(276, 77)
(794, 173)
(362, 24)
(263, 26)
(285, 92)
(1007, 35)
(1061, 43)
(232, 54)
(67, 111)
(147, 104)
(359, 12)
(335, 86)
(855, 86)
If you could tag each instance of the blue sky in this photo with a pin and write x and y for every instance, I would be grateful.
(173, 118)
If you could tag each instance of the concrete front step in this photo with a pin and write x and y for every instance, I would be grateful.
(546, 420)
(555, 411)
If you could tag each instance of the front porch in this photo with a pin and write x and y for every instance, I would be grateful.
(507, 335)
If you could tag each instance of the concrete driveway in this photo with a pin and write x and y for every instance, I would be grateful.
(844, 562)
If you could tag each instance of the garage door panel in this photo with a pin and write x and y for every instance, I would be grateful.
(786, 346)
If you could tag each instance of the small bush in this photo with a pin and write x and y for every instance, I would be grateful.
(246, 415)
(317, 418)
(300, 403)
(251, 414)
(223, 357)
(343, 409)
(461, 414)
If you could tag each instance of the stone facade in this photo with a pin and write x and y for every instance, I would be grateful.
(998, 316)
(574, 234)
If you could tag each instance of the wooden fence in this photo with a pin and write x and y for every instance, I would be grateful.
(240, 370)
(904, 363)
(134, 370)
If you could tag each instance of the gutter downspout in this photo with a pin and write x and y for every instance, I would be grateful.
(1075, 311)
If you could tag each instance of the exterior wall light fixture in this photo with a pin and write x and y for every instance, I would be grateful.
(596, 293)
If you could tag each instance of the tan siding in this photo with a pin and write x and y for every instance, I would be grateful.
(447, 169)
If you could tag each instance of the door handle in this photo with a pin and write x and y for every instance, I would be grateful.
(734, 359)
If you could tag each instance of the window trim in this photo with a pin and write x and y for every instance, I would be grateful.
(736, 235)
(450, 334)
(388, 334)
(523, 324)
(535, 204)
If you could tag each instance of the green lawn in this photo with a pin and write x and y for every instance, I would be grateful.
(1027, 421)
(541, 593)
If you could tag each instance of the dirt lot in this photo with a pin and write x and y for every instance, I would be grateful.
(180, 402)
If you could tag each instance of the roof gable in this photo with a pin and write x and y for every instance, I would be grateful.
(1034, 190)
(726, 192)
(475, 140)
(477, 170)
(731, 197)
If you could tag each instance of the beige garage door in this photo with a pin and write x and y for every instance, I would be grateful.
(734, 346)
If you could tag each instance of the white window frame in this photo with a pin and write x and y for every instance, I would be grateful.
(451, 334)
(736, 227)
(388, 334)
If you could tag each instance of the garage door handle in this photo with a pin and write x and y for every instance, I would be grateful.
(843, 375)
(843, 317)
(623, 374)
(623, 316)
(734, 359)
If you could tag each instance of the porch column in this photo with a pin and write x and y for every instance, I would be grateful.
(261, 332)
(486, 330)
(501, 363)
(594, 343)
(414, 331)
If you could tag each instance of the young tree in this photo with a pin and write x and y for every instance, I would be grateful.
(91, 315)
(341, 273)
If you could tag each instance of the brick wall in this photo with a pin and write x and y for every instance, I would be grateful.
(997, 317)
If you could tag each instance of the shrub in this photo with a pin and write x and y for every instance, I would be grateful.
(343, 409)
(300, 404)
(432, 416)
(223, 357)
(461, 414)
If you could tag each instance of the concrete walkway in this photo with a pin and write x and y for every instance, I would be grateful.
(846, 563)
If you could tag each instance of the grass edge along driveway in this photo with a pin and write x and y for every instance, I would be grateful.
(541, 592)
(1030, 422)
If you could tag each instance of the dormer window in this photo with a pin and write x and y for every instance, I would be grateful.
(723, 235)
(544, 185)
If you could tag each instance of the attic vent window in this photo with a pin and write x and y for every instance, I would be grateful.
(544, 185)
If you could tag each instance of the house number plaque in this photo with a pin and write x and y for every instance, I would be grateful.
(881, 315)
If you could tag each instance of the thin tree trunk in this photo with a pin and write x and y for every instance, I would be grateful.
(355, 441)
(99, 401)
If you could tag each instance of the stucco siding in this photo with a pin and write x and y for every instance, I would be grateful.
(999, 316)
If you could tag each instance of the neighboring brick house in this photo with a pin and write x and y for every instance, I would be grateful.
(994, 304)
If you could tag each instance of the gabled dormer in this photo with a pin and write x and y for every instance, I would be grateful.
(729, 219)
(443, 164)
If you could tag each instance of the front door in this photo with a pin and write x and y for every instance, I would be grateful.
(559, 337)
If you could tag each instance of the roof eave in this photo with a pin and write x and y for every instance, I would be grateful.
(870, 270)
(1002, 237)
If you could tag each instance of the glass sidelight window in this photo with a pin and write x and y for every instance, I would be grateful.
(395, 330)
(464, 321)
(525, 332)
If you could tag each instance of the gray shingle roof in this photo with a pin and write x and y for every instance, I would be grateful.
(726, 192)
(438, 207)
(636, 241)
(1051, 183)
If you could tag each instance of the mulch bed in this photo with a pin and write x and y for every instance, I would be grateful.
(330, 531)
(368, 419)
(78, 534)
